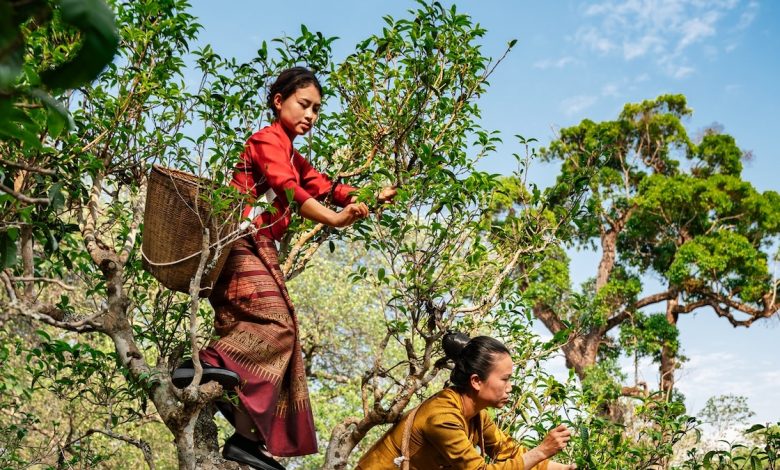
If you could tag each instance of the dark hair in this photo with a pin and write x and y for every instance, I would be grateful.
(290, 80)
(471, 356)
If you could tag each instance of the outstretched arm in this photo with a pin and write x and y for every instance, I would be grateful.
(312, 209)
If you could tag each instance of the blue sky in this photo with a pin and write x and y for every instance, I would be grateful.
(576, 60)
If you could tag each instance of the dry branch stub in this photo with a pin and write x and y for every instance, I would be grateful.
(175, 214)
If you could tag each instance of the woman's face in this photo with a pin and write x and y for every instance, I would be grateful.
(298, 111)
(494, 390)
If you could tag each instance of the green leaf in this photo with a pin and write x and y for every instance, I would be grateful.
(99, 44)
(56, 196)
(58, 118)
(755, 427)
(11, 47)
(8, 251)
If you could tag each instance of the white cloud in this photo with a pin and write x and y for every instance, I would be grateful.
(634, 49)
(675, 66)
(592, 38)
(658, 29)
(681, 71)
(554, 63)
(576, 104)
(710, 374)
(610, 89)
(696, 29)
(771, 379)
(748, 16)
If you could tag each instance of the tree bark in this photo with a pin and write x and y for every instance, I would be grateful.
(608, 257)
(194, 436)
(348, 434)
(582, 352)
(28, 260)
(668, 355)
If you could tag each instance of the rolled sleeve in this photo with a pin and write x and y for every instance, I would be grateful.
(319, 185)
(342, 195)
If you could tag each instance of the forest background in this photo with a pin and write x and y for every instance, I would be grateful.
(684, 47)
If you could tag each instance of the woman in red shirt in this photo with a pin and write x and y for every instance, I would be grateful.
(255, 319)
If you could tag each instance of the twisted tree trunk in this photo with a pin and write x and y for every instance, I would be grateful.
(668, 354)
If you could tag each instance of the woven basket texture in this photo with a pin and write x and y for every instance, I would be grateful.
(174, 215)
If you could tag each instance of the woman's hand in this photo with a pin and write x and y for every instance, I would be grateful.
(350, 214)
(386, 195)
(555, 441)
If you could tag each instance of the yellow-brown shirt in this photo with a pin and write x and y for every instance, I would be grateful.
(441, 437)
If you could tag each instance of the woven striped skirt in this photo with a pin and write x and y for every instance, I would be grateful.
(258, 339)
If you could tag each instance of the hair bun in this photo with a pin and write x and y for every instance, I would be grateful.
(453, 343)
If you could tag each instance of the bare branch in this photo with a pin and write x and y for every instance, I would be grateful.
(724, 304)
(191, 392)
(491, 298)
(290, 261)
(44, 279)
(368, 161)
(549, 318)
(95, 247)
(304, 260)
(644, 302)
(138, 216)
(51, 315)
(26, 167)
(654, 299)
(638, 390)
(21, 197)
(321, 375)
(9, 287)
(142, 445)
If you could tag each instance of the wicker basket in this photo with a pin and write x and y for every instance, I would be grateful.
(172, 235)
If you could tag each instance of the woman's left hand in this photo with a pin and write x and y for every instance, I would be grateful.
(387, 194)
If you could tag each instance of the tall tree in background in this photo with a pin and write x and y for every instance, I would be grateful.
(658, 206)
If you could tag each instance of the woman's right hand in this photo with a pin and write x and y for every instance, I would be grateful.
(350, 214)
(555, 441)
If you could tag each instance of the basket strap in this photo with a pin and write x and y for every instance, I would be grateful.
(256, 210)
(266, 199)
(232, 236)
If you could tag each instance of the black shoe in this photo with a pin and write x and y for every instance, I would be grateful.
(240, 449)
(183, 375)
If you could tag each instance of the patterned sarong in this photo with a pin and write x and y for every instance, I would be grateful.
(258, 339)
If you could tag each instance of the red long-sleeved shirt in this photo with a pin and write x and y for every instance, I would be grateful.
(269, 158)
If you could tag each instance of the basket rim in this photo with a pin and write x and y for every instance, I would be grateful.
(181, 175)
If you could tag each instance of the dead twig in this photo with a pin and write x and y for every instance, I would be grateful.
(23, 198)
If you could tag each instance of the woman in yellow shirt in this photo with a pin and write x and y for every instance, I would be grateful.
(452, 429)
